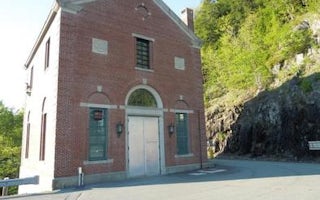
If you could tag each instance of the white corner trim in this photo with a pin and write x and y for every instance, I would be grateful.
(83, 1)
(196, 46)
(92, 105)
(72, 10)
(74, 7)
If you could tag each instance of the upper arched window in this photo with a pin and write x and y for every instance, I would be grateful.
(142, 97)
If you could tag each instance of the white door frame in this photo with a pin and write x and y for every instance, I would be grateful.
(147, 112)
(143, 138)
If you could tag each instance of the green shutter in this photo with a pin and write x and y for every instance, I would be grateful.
(98, 134)
(182, 133)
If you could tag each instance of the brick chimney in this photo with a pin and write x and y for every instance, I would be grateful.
(187, 18)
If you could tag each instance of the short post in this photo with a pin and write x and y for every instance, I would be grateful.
(80, 177)
(5, 189)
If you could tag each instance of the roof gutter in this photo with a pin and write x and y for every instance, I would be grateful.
(44, 30)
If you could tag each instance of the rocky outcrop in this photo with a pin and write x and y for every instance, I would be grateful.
(219, 126)
(278, 122)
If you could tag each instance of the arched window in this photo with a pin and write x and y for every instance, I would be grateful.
(43, 132)
(143, 98)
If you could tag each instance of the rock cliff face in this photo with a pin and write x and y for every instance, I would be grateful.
(278, 122)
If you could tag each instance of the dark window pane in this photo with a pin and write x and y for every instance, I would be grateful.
(47, 54)
(98, 134)
(182, 133)
(143, 53)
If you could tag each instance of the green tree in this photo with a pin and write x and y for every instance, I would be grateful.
(10, 143)
(245, 39)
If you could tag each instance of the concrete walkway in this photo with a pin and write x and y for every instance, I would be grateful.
(229, 180)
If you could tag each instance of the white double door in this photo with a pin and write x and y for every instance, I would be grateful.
(143, 146)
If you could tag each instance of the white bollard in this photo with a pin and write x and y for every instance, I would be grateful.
(80, 177)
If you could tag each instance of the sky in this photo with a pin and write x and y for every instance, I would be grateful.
(20, 24)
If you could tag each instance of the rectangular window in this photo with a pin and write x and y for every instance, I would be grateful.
(27, 141)
(43, 137)
(182, 133)
(30, 83)
(31, 78)
(142, 53)
(98, 134)
(47, 54)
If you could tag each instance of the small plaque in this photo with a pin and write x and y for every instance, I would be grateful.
(99, 46)
(179, 63)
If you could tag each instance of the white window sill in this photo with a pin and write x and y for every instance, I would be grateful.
(184, 156)
(98, 162)
(145, 70)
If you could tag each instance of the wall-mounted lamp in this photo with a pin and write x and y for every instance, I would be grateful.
(119, 128)
(171, 129)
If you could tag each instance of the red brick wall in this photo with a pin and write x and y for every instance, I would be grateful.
(81, 71)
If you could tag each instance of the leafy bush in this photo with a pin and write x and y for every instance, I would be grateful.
(297, 42)
(243, 40)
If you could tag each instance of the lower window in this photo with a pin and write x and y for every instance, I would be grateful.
(182, 133)
(98, 134)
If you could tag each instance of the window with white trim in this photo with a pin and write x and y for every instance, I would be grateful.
(143, 53)
(47, 54)
(98, 134)
(182, 133)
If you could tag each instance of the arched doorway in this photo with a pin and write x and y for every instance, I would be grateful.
(145, 133)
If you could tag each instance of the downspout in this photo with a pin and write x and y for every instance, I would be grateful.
(200, 140)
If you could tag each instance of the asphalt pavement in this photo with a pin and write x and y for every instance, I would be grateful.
(228, 180)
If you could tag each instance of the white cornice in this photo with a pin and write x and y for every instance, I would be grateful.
(53, 12)
(74, 6)
(196, 42)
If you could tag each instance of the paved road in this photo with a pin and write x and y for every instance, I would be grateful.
(229, 180)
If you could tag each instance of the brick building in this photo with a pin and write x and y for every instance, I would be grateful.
(114, 91)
